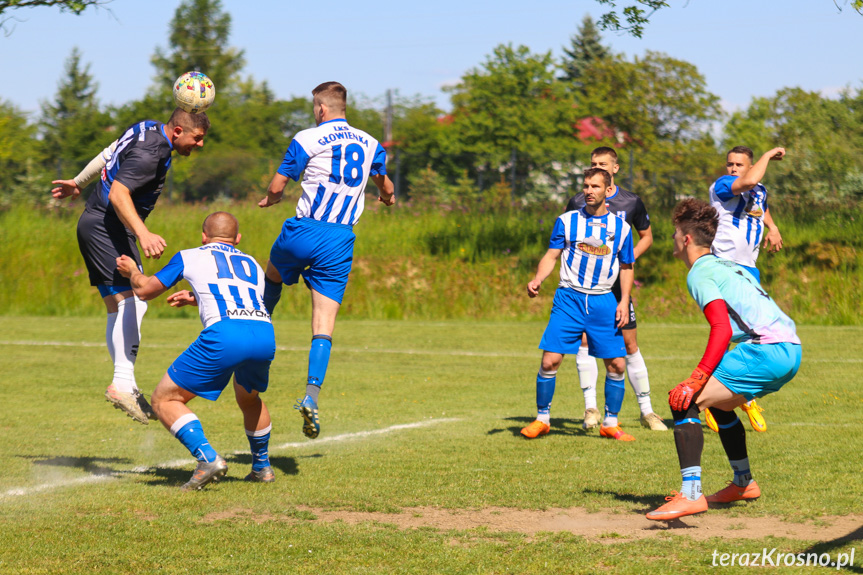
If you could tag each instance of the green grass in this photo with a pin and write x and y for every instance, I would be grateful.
(100, 493)
(412, 264)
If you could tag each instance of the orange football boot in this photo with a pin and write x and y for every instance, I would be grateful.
(734, 492)
(615, 433)
(536, 429)
(678, 506)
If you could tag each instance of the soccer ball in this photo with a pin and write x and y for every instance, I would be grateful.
(194, 92)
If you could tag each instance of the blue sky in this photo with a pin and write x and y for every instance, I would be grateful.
(744, 48)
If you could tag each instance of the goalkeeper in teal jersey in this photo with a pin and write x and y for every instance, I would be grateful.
(767, 356)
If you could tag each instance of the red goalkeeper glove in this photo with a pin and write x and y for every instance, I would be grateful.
(681, 396)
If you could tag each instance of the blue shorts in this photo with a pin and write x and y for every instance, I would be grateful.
(321, 252)
(754, 370)
(574, 313)
(238, 347)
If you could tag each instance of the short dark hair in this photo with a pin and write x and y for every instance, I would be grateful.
(698, 219)
(591, 172)
(604, 151)
(741, 150)
(188, 121)
(333, 94)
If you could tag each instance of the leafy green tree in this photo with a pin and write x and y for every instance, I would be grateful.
(19, 152)
(74, 6)
(660, 108)
(198, 40)
(823, 137)
(585, 47)
(636, 15)
(513, 105)
(73, 126)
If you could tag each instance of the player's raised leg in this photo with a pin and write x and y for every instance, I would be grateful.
(258, 425)
(123, 337)
(546, 380)
(324, 312)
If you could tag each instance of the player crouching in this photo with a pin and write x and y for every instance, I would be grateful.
(767, 356)
(237, 340)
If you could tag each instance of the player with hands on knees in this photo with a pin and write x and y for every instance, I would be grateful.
(767, 356)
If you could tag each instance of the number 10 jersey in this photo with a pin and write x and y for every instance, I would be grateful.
(228, 284)
(338, 160)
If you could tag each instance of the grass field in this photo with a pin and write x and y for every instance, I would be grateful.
(419, 467)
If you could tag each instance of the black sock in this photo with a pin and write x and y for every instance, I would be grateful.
(688, 437)
(731, 433)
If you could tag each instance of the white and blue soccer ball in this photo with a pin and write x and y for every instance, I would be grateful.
(194, 92)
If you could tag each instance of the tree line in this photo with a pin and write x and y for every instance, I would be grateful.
(520, 129)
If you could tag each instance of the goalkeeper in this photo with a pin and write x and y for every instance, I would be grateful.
(766, 357)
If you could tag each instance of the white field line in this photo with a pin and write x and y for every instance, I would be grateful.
(442, 352)
(21, 491)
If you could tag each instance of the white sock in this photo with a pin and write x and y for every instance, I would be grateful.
(638, 379)
(109, 333)
(588, 373)
(126, 337)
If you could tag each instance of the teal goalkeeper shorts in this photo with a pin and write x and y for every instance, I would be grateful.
(754, 370)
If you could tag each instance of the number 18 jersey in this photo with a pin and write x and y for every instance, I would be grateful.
(338, 160)
(228, 284)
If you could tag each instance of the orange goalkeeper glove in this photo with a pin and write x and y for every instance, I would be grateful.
(681, 396)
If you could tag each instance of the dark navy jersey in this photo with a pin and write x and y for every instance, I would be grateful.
(623, 203)
(140, 162)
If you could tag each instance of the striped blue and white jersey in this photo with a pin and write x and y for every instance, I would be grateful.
(741, 221)
(338, 160)
(593, 249)
(227, 283)
(140, 162)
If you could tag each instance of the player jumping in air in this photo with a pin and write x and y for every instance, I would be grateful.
(237, 340)
(594, 246)
(767, 356)
(132, 173)
(741, 201)
(336, 161)
(629, 207)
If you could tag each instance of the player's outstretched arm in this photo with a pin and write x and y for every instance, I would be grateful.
(386, 188)
(145, 287)
(543, 270)
(91, 171)
(274, 191)
(65, 189)
(751, 178)
(773, 238)
(121, 198)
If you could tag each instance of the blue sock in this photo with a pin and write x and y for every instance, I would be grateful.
(319, 359)
(545, 383)
(189, 432)
(259, 443)
(272, 294)
(691, 482)
(614, 390)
